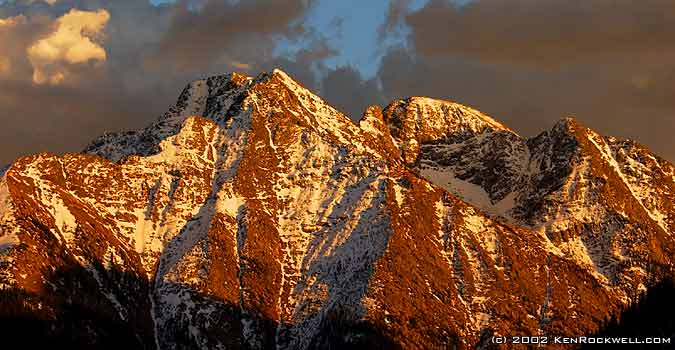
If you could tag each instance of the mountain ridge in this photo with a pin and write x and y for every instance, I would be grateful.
(270, 219)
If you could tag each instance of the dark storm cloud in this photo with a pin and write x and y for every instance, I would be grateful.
(345, 89)
(94, 98)
(16, 34)
(544, 31)
(227, 31)
(396, 12)
(528, 63)
(306, 64)
(60, 119)
(152, 52)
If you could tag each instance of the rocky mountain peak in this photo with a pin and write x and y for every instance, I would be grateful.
(417, 120)
(254, 215)
(283, 101)
(431, 119)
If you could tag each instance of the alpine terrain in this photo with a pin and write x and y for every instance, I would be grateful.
(253, 215)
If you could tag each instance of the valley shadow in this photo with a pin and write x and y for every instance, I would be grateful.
(77, 311)
(653, 315)
(72, 311)
(202, 321)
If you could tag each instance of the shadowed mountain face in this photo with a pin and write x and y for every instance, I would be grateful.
(650, 316)
(253, 215)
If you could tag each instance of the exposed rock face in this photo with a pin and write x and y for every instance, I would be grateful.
(254, 215)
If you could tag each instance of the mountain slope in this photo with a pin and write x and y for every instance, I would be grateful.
(254, 215)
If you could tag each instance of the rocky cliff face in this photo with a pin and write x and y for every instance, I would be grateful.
(254, 215)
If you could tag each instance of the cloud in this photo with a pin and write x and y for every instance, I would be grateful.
(345, 89)
(12, 21)
(63, 118)
(544, 32)
(7, 28)
(531, 62)
(132, 87)
(526, 62)
(70, 43)
(240, 65)
(16, 34)
(5, 65)
(394, 19)
(225, 31)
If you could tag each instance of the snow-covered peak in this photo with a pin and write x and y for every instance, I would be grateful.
(471, 114)
(221, 97)
(286, 105)
(372, 121)
(421, 120)
(426, 119)
(568, 125)
(283, 75)
(253, 214)
(211, 98)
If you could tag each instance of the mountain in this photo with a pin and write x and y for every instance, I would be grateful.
(254, 215)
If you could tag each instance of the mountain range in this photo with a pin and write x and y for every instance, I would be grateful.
(253, 215)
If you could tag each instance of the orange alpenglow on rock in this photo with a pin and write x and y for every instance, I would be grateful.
(254, 215)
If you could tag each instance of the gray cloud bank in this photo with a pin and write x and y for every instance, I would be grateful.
(525, 62)
(528, 63)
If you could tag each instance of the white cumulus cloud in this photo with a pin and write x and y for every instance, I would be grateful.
(70, 43)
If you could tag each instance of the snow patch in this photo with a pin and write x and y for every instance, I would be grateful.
(640, 195)
(230, 205)
(5, 200)
(64, 221)
(578, 251)
(468, 192)
(398, 192)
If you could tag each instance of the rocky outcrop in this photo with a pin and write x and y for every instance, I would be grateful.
(254, 215)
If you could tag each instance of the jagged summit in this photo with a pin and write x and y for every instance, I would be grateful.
(254, 215)
(429, 119)
(416, 119)
(409, 122)
(218, 98)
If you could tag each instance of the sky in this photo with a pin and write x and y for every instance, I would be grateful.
(71, 70)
